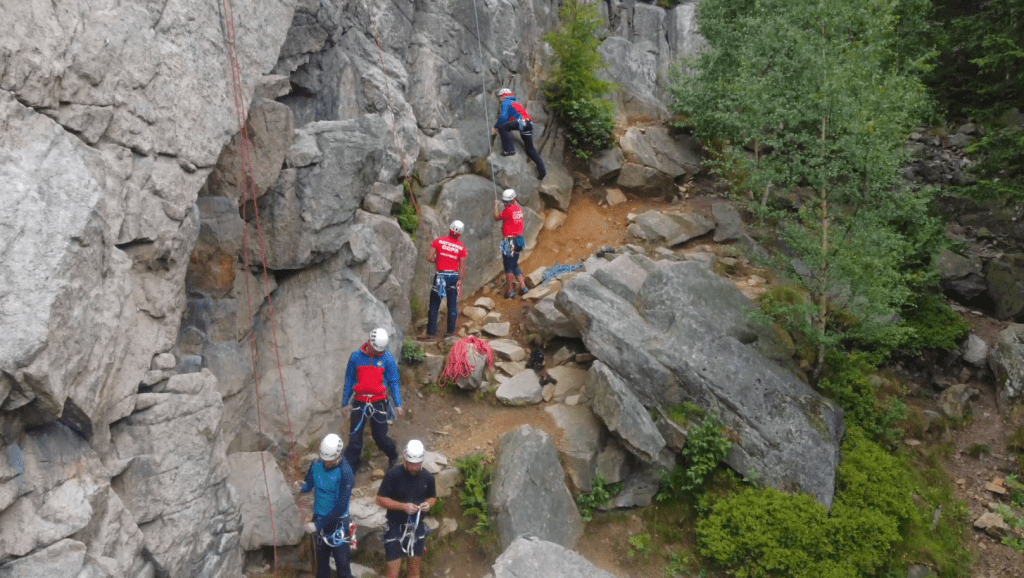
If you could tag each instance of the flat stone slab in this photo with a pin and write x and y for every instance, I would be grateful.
(523, 389)
(508, 350)
(497, 329)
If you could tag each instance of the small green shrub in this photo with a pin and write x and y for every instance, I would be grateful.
(639, 544)
(847, 381)
(598, 498)
(978, 450)
(477, 469)
(412, 351)
(934, 325)
(706, 445)
(407, 217)
(1016, 491)
(1014, 521)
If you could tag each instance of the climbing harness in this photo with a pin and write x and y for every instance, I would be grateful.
(344, 533)
(441, 282)
(370, 411)
(458, 365)
(412, 532)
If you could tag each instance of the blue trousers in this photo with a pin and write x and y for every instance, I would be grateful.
(449, 289)
(504, 131)
(341, 559)
(377, 421)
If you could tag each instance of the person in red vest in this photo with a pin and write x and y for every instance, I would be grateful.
(512, 242)
(369, 367)
(449, 255)
(513, 116)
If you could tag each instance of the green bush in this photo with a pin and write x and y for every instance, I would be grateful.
(765, 533)
(933, 324)
(477, 470)
(575, 91)
(706, 445)
(847, 380)
(412, 351)
(599, 497)
(407, 217)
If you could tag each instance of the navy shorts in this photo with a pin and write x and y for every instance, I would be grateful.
(393, 545)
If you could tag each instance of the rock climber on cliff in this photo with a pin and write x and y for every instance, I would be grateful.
(333, 480)
(512, 242)
(513, 116)
(369, 367)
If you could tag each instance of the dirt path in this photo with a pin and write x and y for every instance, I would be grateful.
(455, 423)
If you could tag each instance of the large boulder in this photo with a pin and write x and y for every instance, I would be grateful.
(582, 433)
(56, 489)
(175, 483)
(960, 277)
(687, 337)
(621, 411)
(269, 514)
(546, 319)
(1005, 278)
(528, 494)
(532, 556)
(321, 315)
(1007, 363)
(655, 147)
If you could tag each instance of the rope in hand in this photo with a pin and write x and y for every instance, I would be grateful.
(458, 365)
(409, 536)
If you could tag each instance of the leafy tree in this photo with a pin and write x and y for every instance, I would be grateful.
(982, 64)
(816, 91)
(575, 92)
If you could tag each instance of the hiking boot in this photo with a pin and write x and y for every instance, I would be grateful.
(523, 290)
(508, 154)
(510, 295)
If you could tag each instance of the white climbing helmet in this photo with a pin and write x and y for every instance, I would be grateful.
(379, 339)
(414, 452)
(508, 195)
(456, 227)
(504, 92)
(330, 447)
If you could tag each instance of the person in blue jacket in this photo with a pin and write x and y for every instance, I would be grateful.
(513, 116)
(369, 367)
(333, 480)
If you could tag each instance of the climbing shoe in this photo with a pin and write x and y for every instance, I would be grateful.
(508, 154)
(523, 290)
(511, 295)
(541, 176)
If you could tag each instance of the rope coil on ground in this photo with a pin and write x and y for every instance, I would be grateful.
(458, 365)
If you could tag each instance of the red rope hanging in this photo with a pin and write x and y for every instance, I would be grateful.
(247, 182)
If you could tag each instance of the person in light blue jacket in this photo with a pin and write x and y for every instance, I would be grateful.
(333, 480)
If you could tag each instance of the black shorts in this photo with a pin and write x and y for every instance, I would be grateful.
(393, 542)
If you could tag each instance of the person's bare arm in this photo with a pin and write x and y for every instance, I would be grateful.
(432, 256)
(497, 211)
(389, 504)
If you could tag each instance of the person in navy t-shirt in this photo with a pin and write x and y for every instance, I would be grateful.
(449, 254)
(407, 492)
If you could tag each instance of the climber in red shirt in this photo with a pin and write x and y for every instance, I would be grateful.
(449, 254)
(512, 242)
